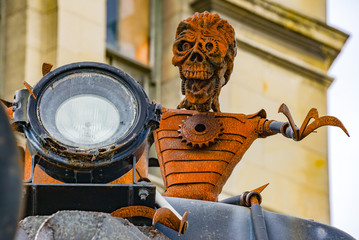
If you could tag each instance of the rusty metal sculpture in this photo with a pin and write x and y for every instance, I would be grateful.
(197, 149)
(204, 51)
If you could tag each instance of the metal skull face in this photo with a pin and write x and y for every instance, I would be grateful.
(203, 51)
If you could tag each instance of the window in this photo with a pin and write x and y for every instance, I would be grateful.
(128, 28)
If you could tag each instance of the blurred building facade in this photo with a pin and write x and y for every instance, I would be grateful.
(285, 49)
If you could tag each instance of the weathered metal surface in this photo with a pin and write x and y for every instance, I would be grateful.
(209, 220)
(197, 162)
(142, 211)
(86, 197)
(167, 211)
(200, 130)
(66, 225)
(307, 128)
(245, 199)
(259, 224)
(134, 211)
(162, 215)
(203, 51)
(165, 214)
(46, 68)
(190, 172)
(10, 179)
(29, 88)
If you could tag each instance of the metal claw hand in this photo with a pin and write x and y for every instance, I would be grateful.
(307, 128)
(162, 215)
(166, 215)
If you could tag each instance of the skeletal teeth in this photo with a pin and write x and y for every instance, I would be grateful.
(196, 75)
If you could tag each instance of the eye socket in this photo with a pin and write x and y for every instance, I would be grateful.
(183, 46)
(209, 46)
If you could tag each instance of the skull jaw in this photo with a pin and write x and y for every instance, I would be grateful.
(200, 91)
(200, 95)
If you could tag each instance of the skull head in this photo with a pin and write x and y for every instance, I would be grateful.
(204, 51)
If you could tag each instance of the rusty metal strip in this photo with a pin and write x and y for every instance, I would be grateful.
(167, 214)
(203, 155)
(143, 211)
(179, 145)
(191, 166)
(46, 68)
(211, 178)
(134, 211)
(284, 109)
(29, 88)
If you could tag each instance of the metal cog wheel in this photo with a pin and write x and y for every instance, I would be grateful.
(200, 130)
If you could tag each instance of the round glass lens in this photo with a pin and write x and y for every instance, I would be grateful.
(87, 119)
(88, 110)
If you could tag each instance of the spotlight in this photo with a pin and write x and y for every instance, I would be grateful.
(88, 123)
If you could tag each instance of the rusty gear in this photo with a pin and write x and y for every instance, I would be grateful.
(200, 130)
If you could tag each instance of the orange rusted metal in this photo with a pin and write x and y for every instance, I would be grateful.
(10, 113)
(141, 171)
(41, 177)
(203, 51)
(180, 225)
(250, 198)
(190, 172)
(200, 130)
(307, 128)
(46, 68)
(29, 88)
(162, 215)
(197, 149)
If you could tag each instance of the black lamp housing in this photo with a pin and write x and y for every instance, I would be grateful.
(70, 163)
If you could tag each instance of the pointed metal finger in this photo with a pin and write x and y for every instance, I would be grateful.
(284, 109)
(260, 189)
(29, 88)
(324, 121)
(313, 113)
(46, 68)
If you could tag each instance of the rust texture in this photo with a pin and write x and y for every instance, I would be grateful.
(203, 51)
(250, 198)
(46, 68)
(10, 113)
(200, 130)
(163, 216)
(29, 88)
(197, 149)
(200, 173)
(307, 128)
(41, 177)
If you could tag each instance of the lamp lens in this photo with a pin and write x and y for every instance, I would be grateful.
(88, 110)
(87, 119)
